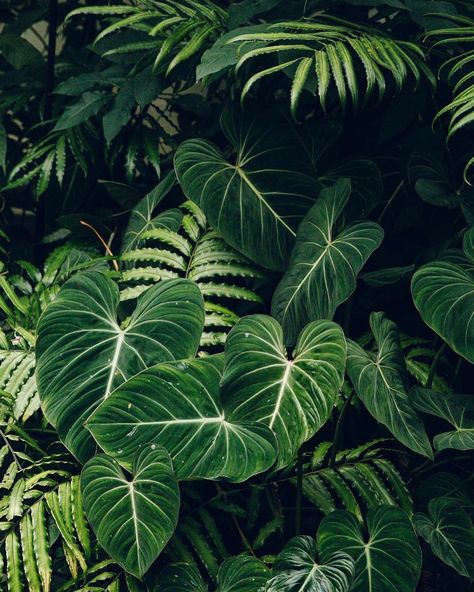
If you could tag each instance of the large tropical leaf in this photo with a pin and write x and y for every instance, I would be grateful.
(299, 569)
(256, 200)
(132, 518)
(295, 396)
(387, 560)
(380, 381)
(450, 533)
(242, 574)
(237, 574)
(444, 295)
(177, 405)
(324, 263)
(83, 353)
(458, 410)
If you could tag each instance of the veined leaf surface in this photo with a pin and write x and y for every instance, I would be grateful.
(177, 405)
(324, 264)
(388, 560)
(83, 353)
(458, 410)
(132, 518)
(444, 296)
(256, 201)
(380, 381)
(298, 569)
(450, 533)
(294, 397)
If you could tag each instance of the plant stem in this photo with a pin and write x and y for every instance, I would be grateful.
(299, 492)
(338, 431)
(434, 365)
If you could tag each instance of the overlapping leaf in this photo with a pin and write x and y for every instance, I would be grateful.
(83, 353)
(388, 560)
(324, 264)
(132, 518)
(257, 200)
(443, 293)
(294, 397)
(299, 569)
(380, 381)
(177, 405)
(458, 410)
(450, 533)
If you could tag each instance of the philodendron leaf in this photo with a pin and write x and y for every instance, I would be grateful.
(468, 244)
(257, 200)
(458, 410)
(450, 533)
(444, 296)
(133, 518)
(237, 574)
(177, 405)
(380, 381)
(388, 559)
(324, 264)
(242, 574)
(83, 353)
(181, 577)
(294, 397)
(298, 569)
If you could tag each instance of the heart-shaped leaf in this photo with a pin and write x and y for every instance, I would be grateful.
(450, 533)
(242, 574)
(324, 264)
(132, 519)
(237, 574)
(387, 560)
(177, 405)
(256, 201)
(380, 381)
(83, 353)
(181, 577)
(298, 569)
(444, 296)
(458, 410)
(294, 397)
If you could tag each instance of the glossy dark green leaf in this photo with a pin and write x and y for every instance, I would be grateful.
(450, 533)
(242, 574)
(444, 295)
(83, 353)
(299, 568)
(387, 276)
(458, 410)
(86, 107)
(294, 395)
(181, 577)
(132, 517)
(380, 381)
(142, 216)
(177, 405)
(324, 264)
(387, 559)
(256, 199)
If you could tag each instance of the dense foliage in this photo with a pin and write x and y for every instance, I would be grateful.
(236, 296)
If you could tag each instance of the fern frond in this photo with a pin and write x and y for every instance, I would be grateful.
(360, 479)
(461, 72)
(162, 250)
(330, 54)
(175, 32)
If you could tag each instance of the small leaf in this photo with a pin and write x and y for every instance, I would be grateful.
(450, 533)
(133, 519)
(86, 107)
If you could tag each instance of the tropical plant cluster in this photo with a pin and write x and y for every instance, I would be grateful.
(236, 296)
